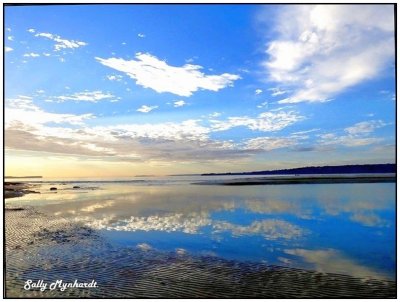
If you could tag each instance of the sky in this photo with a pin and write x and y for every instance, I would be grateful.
(122, 90)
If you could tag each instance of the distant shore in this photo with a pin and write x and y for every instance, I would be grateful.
(304, 179)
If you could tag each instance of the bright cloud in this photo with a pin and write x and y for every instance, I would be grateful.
(60, 42)
(150, 72)
(322, 50)
(258, 91)
(87, 96)
(179, 103)
(146, 109)
(7, 49)
(140, 35)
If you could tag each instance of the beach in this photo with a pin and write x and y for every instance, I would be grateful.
(40, 246)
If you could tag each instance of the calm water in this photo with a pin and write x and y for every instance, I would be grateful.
(340, 228)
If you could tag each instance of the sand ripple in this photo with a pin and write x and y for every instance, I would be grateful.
(38, 247)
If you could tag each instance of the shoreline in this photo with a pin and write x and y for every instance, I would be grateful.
(17, 189)
(40, 247)
(303, 179)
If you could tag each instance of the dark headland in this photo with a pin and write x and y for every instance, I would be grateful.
(310, 175)
(346, 169)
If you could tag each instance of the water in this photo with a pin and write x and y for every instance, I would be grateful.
(338, 228)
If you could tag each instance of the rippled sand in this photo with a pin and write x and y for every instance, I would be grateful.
(38, 247)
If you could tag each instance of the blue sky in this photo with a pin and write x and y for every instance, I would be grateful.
(119, 90)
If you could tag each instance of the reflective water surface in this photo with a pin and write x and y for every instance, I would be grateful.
(339, 228)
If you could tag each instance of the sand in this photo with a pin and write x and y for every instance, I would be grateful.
(40, 247)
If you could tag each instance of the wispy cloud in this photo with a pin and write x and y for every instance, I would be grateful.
(87, 96)
(146, 109)
(270, 143)
(8, 49)
(60, 42)
(114, 77)
(214, 114)
(140, 35)
(151, 72)
(23, 109)
(321, 50)
(364, 127)
(266, 121)
(31, 54)
(258, 91)
(277, 91)
(354, 136)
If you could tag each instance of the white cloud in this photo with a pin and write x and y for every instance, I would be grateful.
(114, 77)
(60, 42)
(150, 72)
(355, 136)
(214, 114)
(270, 143)
(270, 229)
(305, 131)
(86, 96)
(263, 105)
(31, 30)
(277, 91)
(258, 91)
(364, 127)
(10, 38)
(32, 54)
(23, 110)
(146, 109)
(28, 127)
(179, 103)
(322, 50)
(7, 49)
(140, 35)
(266, 121)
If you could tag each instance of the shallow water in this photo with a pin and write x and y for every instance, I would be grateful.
(333, 228)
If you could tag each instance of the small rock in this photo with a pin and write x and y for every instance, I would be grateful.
(53, 189)
(76, 187)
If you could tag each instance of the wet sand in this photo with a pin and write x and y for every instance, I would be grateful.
(39, 247)
(303, 179)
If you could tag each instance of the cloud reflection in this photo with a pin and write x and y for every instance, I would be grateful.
(332, 261)
(270, 229)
